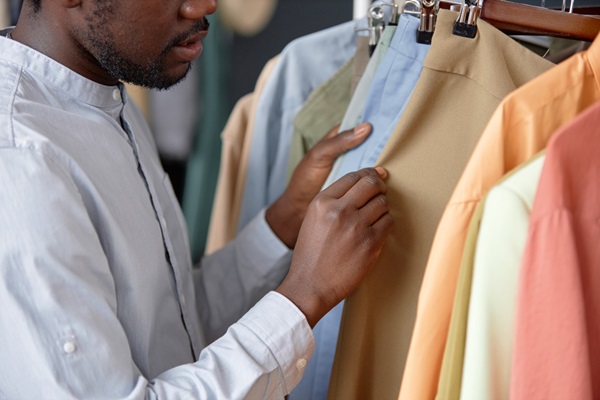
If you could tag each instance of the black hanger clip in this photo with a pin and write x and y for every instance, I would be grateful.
(466, 23)
(427, 21)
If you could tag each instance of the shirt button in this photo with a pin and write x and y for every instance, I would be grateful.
(300, 364)
(116, 95)
(69, 347)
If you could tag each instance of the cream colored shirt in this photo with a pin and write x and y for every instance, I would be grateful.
(493, 293)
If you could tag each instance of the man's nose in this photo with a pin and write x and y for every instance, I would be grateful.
(197, 9)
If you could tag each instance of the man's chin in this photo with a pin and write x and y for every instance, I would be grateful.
(158, 82)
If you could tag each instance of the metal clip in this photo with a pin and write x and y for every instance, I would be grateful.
(466, 23)
(376, 17)
(376, 22)
(427, 21)
(417, 8)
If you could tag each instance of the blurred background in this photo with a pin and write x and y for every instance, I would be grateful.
(188, 119)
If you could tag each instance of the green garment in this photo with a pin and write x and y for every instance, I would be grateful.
(324, 108)
(203, 163)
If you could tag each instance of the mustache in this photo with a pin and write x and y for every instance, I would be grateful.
(199, 26)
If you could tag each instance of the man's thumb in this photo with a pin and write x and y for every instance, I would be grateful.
(344, 141)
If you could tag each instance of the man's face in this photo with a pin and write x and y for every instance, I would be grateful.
(145, 42)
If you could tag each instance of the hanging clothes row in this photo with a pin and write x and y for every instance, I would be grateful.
(298, 81)
(520, 128)
(461, 124)
(461, 84)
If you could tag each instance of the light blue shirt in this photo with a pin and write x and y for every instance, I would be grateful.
(356, 107)
(98, 295)
(384, 95)
(303, 65)
(389, 91)
(315, 383)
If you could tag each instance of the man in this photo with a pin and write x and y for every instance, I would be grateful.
(98, 296)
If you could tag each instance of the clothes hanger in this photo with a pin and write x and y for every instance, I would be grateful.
(376, 18)
(515, 18)
(521, 19)
(427, 19)
(428, 16)
(466, 23)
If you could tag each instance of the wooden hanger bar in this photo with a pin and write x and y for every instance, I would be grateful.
(513, 18)
(591, 10)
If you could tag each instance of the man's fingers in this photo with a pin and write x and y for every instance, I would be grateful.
(382, 226)
(375, 209)
(334, 144)
(372, 185)
(365, 189)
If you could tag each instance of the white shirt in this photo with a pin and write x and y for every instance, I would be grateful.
(96, 286)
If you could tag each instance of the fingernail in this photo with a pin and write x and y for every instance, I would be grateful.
(382, 172)
(362, 129)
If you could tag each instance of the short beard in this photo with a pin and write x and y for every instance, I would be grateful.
(151, 73)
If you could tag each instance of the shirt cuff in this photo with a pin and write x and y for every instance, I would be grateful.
(258, 243)
(284, 330)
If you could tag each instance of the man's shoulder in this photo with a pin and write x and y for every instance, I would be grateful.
(24, 105)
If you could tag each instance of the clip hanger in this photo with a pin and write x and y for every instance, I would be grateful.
(466, 23)
(523, 19)
(376, 16)
(376, 22)
(417, 8)
(427, 19)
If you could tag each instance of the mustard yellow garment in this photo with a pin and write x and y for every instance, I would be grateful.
(462, 82)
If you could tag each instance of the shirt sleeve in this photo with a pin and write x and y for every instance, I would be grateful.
(230, 281)
(262, 356)
(60, 334)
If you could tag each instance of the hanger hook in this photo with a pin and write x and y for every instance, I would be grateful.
(415, 3)
(376, 12)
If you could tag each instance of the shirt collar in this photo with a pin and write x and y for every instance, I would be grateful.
(62, 78)
(593, 55)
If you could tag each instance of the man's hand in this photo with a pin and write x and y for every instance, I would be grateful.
(339, 242)
(286, 214)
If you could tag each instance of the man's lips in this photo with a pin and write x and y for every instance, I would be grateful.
(190, 48)
(193, 39)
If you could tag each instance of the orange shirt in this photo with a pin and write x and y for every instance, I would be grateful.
(557, 353)
(520, 127)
